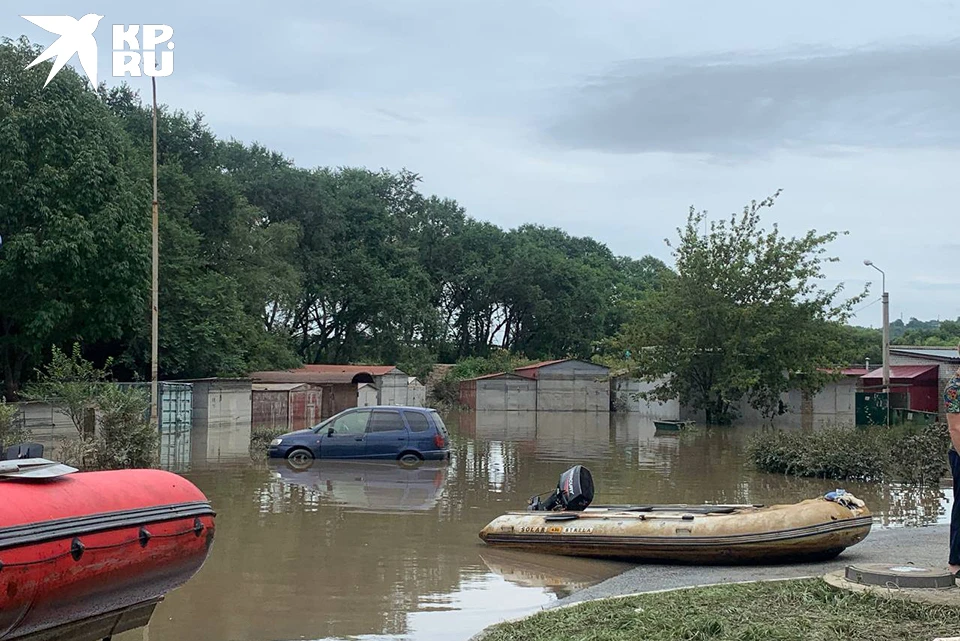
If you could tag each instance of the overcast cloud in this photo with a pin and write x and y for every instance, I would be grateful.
(607, 119)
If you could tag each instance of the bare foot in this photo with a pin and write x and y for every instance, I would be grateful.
(954, 568)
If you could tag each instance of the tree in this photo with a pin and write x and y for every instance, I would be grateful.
(263, 265)
(861, 344)
(75, 220)
(742, 318)
(930, 333)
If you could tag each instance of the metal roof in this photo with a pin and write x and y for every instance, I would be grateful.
(373, 370)
(300, 376)
(487, 377)
(853, 371)
(533, 371)
(935, 353)
(541, 364)
(904, 372)
(277, 387)
(326, 374)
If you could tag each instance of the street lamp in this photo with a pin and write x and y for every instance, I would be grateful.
(886, 334)
(154, 315)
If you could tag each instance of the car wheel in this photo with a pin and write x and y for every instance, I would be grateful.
(410, 459)
(300, 458)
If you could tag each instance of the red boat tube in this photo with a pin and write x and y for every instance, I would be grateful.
(91, 554)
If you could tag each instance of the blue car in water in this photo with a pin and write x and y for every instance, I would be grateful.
(405, 434)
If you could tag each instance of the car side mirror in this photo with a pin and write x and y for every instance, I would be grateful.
(330, 431)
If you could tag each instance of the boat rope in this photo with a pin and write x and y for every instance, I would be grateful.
(77, 548)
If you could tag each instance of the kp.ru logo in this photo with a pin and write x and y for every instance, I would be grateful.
(76, 37)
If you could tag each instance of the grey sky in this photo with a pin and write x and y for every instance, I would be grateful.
(608, 119)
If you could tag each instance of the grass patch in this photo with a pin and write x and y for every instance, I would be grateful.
(780, 611)
(911, 453)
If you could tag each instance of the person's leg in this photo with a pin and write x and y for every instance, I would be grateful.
(955, 514)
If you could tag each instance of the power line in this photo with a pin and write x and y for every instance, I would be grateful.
(856, 311)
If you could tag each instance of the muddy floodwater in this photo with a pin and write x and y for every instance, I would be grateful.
(353, 550)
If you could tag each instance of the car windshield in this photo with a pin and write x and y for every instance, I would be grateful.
(322, 424)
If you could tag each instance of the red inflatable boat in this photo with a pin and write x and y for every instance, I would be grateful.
(85, 556)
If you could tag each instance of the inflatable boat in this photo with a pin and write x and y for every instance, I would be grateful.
(814, 529)
(88, 555)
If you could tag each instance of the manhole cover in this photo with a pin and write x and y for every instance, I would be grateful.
(901, 576)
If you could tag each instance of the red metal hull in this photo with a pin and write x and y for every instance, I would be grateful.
(88, 544)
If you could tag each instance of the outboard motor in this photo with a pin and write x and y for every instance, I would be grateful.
(573, 494)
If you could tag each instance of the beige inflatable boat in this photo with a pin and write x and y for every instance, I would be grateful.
(814, 529)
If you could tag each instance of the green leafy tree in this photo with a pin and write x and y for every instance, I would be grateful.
(861, 344)
(74, 264)
(931, 333)
(742, 318)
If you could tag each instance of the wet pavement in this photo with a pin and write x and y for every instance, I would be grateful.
(359, 550)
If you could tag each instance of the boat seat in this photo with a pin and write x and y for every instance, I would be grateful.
(695, 509)
(22, 450)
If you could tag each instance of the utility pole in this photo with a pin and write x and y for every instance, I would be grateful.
(886, 335)
(156, 243)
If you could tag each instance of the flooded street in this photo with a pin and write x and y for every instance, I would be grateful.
(372, 551)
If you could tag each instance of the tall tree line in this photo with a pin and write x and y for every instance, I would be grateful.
(262, 264)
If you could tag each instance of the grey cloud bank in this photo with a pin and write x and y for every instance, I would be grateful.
(746, 104)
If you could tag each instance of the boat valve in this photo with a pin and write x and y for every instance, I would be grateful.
(144, 537)
(76, 549)
(197, 526)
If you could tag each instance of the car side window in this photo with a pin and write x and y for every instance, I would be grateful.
(352, 423)
(418, 422)
(385, 421)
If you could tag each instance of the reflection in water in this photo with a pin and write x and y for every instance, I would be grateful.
(373, 550)
(363, 485)
(542, 571)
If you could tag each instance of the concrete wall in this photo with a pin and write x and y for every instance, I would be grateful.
(835, 404)
(221, 420)
(507, 393)
(47, 426)
(573, 386)
(624, 390)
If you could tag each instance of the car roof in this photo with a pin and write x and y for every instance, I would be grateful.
(405, 408)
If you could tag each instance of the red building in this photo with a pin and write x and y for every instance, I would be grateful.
(912, 387)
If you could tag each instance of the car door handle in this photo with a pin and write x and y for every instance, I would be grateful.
(359, 438)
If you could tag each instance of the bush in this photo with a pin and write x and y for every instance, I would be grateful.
(260, 439)
(447, 390)
(915, 454)
(126, 438)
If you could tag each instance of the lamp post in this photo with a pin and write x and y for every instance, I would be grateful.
(153, 307)
(886, 335)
